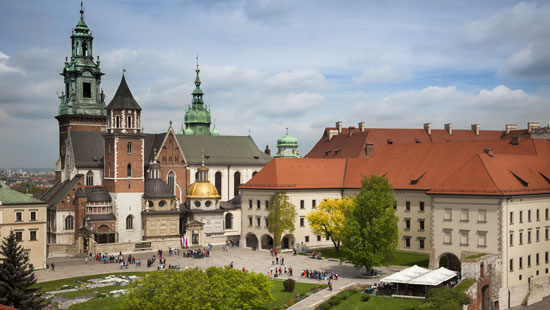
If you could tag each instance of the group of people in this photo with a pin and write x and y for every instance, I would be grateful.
(316, 255)
(319, 275)
(197, 253)
(110, 259)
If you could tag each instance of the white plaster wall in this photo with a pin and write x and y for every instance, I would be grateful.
(98, 175)
(124, 205)
(63, 236)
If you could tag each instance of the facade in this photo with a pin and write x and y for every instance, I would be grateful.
(453, 200)
(26, 217)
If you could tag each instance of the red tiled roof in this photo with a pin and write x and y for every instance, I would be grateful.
(445, 168)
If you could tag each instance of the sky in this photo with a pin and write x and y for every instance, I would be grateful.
(268, 65)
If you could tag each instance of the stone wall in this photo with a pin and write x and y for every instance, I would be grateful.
(129, 247)
(486, 271)
(62, 250)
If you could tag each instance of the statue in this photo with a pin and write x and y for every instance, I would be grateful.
(102, 94)
(71, 100)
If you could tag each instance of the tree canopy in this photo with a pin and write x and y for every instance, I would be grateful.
(328, 220)
(17, 277)
(370, 230)
(193, 289)
(281, 217)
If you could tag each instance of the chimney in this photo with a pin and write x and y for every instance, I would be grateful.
(428, 128)
(339, 126)
(351, 130)
(362, 126)
(510, 127)
(488, 151)
(267, 150)
(475, 128)
(531, 126)
(449, 128)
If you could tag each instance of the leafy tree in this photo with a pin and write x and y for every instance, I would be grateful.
(370, 235)
(281, 217)
(328, 220)
(444, 298)
(17, 277)
(214, 288)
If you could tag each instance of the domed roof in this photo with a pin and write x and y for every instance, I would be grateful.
(98, 194)
(201, 189)
(157, 188)
(214, 132)
(287, 140)
(189, 131)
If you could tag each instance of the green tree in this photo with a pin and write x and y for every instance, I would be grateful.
(214, 288)
(444, 298)
(281, 217)
(370, 235)
(328, 220)
(17, 277)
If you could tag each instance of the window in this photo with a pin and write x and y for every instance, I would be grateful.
(407, 242)
(117, 121)
(464, 215)
(302, 220)
(538, 214)
(447, 237)
(302, 204)
(546, 257)
(89, 178)
(250, 204)
(482, 238)
(529, 236)
(511, 217)
(218, 182)
(254, 173)
(129, 170)
(19, 235)
(33, 235)
(307, 238)
(236, 183)
(258, 221)
(464, 238)
(18, 216)
(87, 90)
(511, 264)
(258, 204)
(69, 223)
(395, 204)
(421, 243)
(537, 261)
(130, 222)
(528, 261)
(521, 263)
(407, 224)
(129, 147)
(538, 234)
(546, 214)
(196, 173)
(482, 216)
(407, 206)
(422, 206)
(318, 237)
(266, 222)
(528, 215)
(421, 224)
(249, 220)
(33, 215)
(172, 181)
(520, 237)
(129, 124)
(511, 238)
(521, 216)
(267, 204)
(448, 215)
(313, 204)
(546, 234)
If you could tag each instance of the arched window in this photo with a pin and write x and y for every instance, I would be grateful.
(196, 176)
(229, 221)
(117, 121)
(254, 173)
(69, 222)
(89, 178)
(129, 147)
(129, 125)
(172, 181)
(218, 182)
(84, 49)
(129, 172)
(236, 183)
(130, 222)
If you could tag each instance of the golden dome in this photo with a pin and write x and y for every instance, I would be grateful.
(202, 190)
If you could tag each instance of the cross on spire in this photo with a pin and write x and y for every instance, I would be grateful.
(81, 9)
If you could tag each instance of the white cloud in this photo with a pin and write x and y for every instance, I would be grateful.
(5, 67)
(380, 74)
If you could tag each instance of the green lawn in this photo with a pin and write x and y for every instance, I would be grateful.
(107, 303)
(282, 297)
(375, 303)
(401, 258)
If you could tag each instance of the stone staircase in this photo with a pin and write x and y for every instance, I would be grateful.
(536, 295)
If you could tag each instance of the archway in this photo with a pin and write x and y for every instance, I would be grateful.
(485, 298)
(267, 242)
(251, 241)
(288, 242)
(449, 261)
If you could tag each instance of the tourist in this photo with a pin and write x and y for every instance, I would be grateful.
(329, 285)
(53, 266)
(282, 261)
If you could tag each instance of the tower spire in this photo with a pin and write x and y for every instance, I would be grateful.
(82, 10)
(197, 79)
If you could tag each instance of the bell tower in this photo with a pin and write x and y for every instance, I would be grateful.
(197, 115)
(82, 103)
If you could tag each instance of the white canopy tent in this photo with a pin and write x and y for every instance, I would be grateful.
(420, 276)
(406, 275)
(434, 277)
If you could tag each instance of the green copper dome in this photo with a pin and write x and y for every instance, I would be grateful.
(287, 147)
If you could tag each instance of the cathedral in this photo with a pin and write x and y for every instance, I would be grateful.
(121, 189)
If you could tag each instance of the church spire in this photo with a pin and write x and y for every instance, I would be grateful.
(197, 116)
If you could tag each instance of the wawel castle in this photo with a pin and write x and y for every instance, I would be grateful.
(459, 193)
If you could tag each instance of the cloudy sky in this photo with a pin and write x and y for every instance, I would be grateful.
(270, 64)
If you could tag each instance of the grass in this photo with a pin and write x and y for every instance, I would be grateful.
(375, 302)
(401, 258)
(464, 285)
(107, 303)
(476, 255)
(281, 297)
(77, 281)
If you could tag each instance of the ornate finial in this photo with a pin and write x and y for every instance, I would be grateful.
(154, 154)
(81, 9)
(123, 71)
(198, 63)
(287, 131)
(202, 157)
(170, 123)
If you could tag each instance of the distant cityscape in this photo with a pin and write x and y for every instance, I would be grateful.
(35, 181)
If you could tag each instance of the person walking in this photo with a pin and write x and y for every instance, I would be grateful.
(53, 266)
(329, 285)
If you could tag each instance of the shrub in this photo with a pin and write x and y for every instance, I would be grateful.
(323, 306)
(365, 297)
(289, 285)
(100, 295)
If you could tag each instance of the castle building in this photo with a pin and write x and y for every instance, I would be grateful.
(287, 147)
